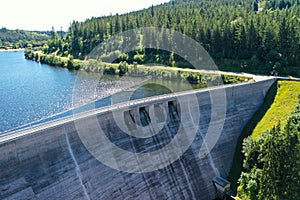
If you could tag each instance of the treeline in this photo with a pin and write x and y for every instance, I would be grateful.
(165, 73)
(123, 68)
(272, 163)
(53, 60)
(23, 39)
(260, 35)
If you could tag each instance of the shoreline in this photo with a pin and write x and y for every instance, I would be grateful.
(193, 76)
(4, 50)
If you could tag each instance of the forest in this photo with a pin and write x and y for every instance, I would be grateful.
(22, 39)
(255, 36)
(272, 162)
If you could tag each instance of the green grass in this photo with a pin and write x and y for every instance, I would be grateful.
(284, 103)
(279, 103)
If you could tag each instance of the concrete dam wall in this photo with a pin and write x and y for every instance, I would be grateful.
(68, 159)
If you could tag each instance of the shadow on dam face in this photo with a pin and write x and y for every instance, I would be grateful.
(54, 162)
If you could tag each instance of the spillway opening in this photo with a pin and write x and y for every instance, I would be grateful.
(144, 116)
(173, 110)
(172, 106)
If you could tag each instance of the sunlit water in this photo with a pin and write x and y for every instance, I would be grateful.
(33, 93)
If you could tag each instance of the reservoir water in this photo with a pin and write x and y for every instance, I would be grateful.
(33, 93)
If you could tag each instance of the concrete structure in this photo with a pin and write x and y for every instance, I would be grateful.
(50, 161)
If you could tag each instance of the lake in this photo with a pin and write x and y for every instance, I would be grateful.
(33, 93)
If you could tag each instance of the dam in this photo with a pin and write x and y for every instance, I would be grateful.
(68, 159)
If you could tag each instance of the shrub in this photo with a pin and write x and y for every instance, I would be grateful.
(123, 68)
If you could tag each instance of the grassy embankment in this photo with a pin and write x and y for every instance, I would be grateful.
(278, 105)
(285, 102)
(166, 73)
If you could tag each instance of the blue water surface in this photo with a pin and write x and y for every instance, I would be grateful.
(32, 93)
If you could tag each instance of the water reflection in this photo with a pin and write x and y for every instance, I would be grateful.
(34, 93)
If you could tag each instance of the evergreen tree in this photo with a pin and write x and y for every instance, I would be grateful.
(232, 29)
(272, 163)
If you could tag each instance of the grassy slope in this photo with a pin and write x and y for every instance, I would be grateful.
(278, 105)
(285, 102)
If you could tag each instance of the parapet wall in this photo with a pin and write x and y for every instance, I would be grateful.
(52, 162)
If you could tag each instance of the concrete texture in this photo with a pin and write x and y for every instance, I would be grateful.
(51, 162)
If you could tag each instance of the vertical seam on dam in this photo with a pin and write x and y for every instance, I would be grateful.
(77, 168)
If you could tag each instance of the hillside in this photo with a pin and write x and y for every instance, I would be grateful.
(21, 39)
(277, 108)
(272, 159)
(251, 36)
(281, 108)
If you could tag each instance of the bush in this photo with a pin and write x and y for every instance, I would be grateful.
(123, 68)
(192, 78)
(109, 69)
